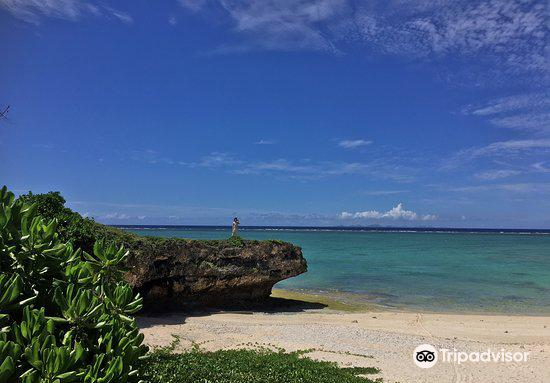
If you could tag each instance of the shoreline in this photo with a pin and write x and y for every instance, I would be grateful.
(368, 337)
(344, 301)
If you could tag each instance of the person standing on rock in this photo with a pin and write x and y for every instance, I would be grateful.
(235, 227)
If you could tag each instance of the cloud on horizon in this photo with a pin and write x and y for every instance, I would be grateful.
(396, 213)
(129, 213)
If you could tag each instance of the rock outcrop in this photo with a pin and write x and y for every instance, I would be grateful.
(175, 273)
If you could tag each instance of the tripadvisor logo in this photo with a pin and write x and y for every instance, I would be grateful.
(426, 356)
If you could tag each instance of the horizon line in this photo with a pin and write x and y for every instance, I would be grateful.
(425, 228)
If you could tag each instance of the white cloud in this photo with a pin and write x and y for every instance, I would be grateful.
(540, 167)
(503, 147)
(353, 144)
(509, 33)
(498, 149)
(33, 10)
(314, 170)
(527, 112)
(520, 102)
(526, 121)
(217, 159)
(150, 156)
(284, 24)
(193, 5)
(298, 169)
(383, 192)
(116, 216)
(396, 213)
(265, 142)
(119, 15)
(496, 174)
(518, 188)
(520, 112)
(281, 165)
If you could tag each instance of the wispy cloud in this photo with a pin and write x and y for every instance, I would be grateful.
(33, 10)
(278, 25)
(396, 213)
(491, 175)
(353, 144)
(521, 112)
(116, 215)
(217, 159)
(541, 167)
(305, 169)
(128, 213)
(508, 148)
(193, 5)
(519, 188)
(119, 15)
(150, 156)
(384, 192)
(265, 142)
(526, 121)
(139, 212)
(509, 33)
(521, 102)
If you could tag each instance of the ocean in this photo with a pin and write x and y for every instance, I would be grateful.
(440, 270)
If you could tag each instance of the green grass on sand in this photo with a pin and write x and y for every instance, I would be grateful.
(247, 366)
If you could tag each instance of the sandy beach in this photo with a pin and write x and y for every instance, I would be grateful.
(383, 339)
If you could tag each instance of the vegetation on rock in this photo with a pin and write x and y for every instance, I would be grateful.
(177, 273)
(65, 314)
(83, 232)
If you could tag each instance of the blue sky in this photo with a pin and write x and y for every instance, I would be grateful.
(322, 112)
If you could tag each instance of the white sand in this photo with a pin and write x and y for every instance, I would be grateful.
(381, 339)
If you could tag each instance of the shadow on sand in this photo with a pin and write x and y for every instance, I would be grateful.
(271, 305)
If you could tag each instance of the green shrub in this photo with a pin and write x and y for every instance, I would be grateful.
(236, 241)
(65, 315)
(247, 366)
(83, 232)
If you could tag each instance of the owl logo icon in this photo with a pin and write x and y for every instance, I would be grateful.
(425, 356)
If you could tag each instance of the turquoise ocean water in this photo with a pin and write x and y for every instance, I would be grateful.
(435, 271)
